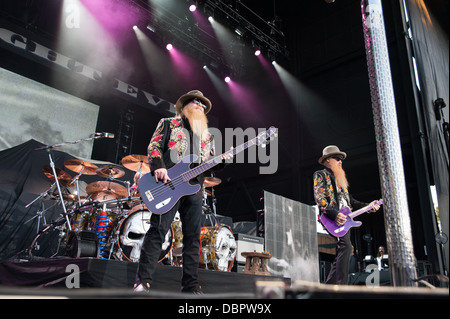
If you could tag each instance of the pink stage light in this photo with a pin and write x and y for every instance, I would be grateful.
(192, 7)
(257, 52)
(115, 17)
(227, 79)
(169, 46)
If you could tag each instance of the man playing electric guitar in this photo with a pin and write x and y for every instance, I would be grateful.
(331, 194)
(173, 139)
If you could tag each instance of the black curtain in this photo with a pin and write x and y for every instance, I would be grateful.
(430, 50)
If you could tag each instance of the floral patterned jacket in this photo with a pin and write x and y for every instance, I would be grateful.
(173, 140)
(326, 196)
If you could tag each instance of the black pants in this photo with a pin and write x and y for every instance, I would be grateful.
(190, 209)
(339, 269)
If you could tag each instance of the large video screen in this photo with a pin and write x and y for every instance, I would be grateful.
(32, 110)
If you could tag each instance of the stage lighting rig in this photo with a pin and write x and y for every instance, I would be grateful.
(179, 23)
(249, 25)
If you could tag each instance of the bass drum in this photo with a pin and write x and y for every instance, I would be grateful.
(218, 248)
(131, 233)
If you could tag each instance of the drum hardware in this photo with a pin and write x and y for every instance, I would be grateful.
(128, 188)
(77, 186)
(136, 163)
(207, 209)
(106, 190)
(211, 181)
(110, 171)
(52, 165)
(34, 246)
(177, 227)
(82, 244)
(63, 178)
(49, 149)
(40, 214)
(81, 167)
(103, 224)
(71, 197)
(205, 259)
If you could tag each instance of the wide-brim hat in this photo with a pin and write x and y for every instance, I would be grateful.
(331, 150)
(194, 94)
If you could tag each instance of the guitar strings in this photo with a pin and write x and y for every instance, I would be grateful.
(163, 188)
(176, 181)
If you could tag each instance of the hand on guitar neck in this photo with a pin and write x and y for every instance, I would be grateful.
(344, 219)
(375, 206)
(341, 218)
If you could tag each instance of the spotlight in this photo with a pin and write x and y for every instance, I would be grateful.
(192, 7)
(258, 52)
(169, 46)
(205, 67)
(135, 27)
(239, 31)
(227, 79)
(210, 19)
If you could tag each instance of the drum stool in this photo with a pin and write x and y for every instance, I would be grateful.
(256, 263)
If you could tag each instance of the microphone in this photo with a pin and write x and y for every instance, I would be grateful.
(104, 135)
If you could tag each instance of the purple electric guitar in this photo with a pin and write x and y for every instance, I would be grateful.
(160, 198)
(340, 230)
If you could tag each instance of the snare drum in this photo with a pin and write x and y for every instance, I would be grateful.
(218, 248)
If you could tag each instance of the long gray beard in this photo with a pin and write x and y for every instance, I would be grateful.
(341, 178)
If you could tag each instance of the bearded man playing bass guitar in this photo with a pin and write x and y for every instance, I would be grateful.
(331, 194)
(173, 139)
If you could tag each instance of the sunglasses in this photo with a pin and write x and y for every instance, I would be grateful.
(196, 101)
(337, 157)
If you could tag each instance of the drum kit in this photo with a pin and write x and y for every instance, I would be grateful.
(110, 222)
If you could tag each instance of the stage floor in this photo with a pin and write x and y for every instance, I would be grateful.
(113, 274)
(93, 278)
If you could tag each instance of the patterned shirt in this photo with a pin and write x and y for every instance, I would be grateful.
(173, 140)
(327, 197)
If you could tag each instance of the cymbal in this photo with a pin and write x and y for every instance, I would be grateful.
(211, 181)
(70, 197)
(63, 178)
(78, 166)
(134, 162)
(110, 170)
(106, 190)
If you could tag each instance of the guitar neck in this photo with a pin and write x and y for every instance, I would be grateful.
(194, 172)
(364, 209)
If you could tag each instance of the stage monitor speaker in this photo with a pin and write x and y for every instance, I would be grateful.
(247, 243)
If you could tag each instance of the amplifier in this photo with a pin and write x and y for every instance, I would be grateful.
(247, 243)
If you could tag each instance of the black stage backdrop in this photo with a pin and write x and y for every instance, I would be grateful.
(21, 181)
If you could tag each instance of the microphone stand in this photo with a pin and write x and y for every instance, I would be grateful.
(49, 148)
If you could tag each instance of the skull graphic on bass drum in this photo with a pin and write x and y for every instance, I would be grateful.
(132, 231)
